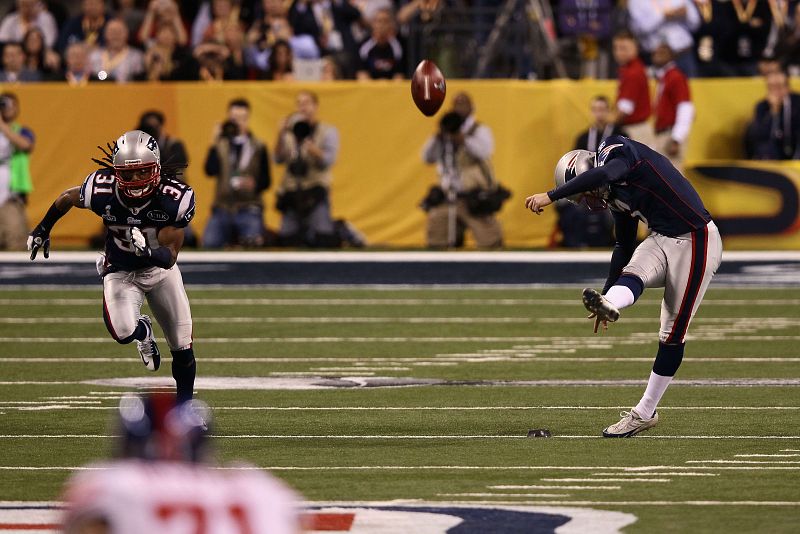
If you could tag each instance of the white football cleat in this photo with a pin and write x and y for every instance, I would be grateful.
(148, 350)
(631, 424)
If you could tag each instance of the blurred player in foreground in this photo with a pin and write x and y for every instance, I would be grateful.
(681, 254)
(159, 485)
(145, 209)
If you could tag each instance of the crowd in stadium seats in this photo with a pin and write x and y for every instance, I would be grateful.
(83, 41)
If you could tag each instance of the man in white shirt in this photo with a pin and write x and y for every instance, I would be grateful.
(29, 13)
(666, 21)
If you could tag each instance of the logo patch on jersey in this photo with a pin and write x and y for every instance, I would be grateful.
(157, 215)
(603, 154)
(132, 220)
(107, 215)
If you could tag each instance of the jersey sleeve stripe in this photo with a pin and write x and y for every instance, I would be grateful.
(87, 189)
(186, 203)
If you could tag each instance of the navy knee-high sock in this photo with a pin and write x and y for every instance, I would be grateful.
(184, 369)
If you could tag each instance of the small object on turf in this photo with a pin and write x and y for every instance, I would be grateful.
(428, 87)
(539, 433)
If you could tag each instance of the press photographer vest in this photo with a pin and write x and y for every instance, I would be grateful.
(473, 173)
(315, 176)
(226, 196)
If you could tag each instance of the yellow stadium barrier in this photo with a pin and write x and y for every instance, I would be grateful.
(379, 178)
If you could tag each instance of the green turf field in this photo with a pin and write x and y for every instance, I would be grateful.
(725, 456)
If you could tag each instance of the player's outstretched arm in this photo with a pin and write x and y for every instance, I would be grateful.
(171, 240)
(40, 236)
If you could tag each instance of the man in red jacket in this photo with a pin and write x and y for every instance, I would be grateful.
(674, 108)
(633, 92)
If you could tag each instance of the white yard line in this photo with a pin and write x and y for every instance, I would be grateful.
(299, 320)
(523, 487)
(421, 437)
(767, 455)
(606, 480)
(657, 474)
(201, 301)
(550, 495)
(429, 468)
(433, 360)
(742, 462)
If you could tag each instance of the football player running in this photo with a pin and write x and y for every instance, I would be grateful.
(681, 254)
(144, 212)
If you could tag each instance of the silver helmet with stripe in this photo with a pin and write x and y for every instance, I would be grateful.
(572, 164)
(137, 164)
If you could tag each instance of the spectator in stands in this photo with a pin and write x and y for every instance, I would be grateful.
(309, 149)
(165, 60)
(116, 60)
(789, 47)
(774, 132)
(213, 20)
(671, 22)
(381, 56)
(131, 14)
(274, 26)
(223, 61)
(633, 91)
(462, 150)
(280, 63)
(674, 108)
(76, 69)
(732, 37)
(329, 22)
(38, 57)
(161, 13)
(330, 70)
(578, 225)
(238, 161)
(16, 144)
(14, 70)
(86, 27)
(29, 14)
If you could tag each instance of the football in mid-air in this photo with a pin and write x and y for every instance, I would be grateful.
(428, 87)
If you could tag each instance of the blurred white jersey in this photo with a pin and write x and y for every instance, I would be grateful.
(135, 497)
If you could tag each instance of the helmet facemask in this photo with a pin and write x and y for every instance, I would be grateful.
(138, 181)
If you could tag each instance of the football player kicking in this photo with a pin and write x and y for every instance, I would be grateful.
(681, 254)
(144, 212)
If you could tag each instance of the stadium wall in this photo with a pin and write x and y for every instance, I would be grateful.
(379, 178)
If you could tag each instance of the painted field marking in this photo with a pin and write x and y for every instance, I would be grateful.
(503, 495)
(413, 437)
(200, 301)
(572, 342)
(742, 462)
(606, 480)
(431, 468)
(790, 450)
(767, 455)
(640, 503)
(446, 360)
(522, 487)
(289, 320)
(651, 473)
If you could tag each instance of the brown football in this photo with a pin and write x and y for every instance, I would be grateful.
(428, 87)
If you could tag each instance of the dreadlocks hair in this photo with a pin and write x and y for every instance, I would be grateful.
(169, 169)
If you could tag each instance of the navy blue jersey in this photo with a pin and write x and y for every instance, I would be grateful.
(171, 205)
(653, 189)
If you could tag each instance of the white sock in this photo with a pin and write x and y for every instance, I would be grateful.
(656, 387)
(620, 296)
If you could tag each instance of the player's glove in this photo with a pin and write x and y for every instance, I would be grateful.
(39, 239)
(139, 242)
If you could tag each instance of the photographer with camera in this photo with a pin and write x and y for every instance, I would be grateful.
(468, 196)
(16, 144)
(240, 164)
(309, 149)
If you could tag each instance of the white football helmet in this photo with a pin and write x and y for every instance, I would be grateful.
(577, 162)
(137, 164)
